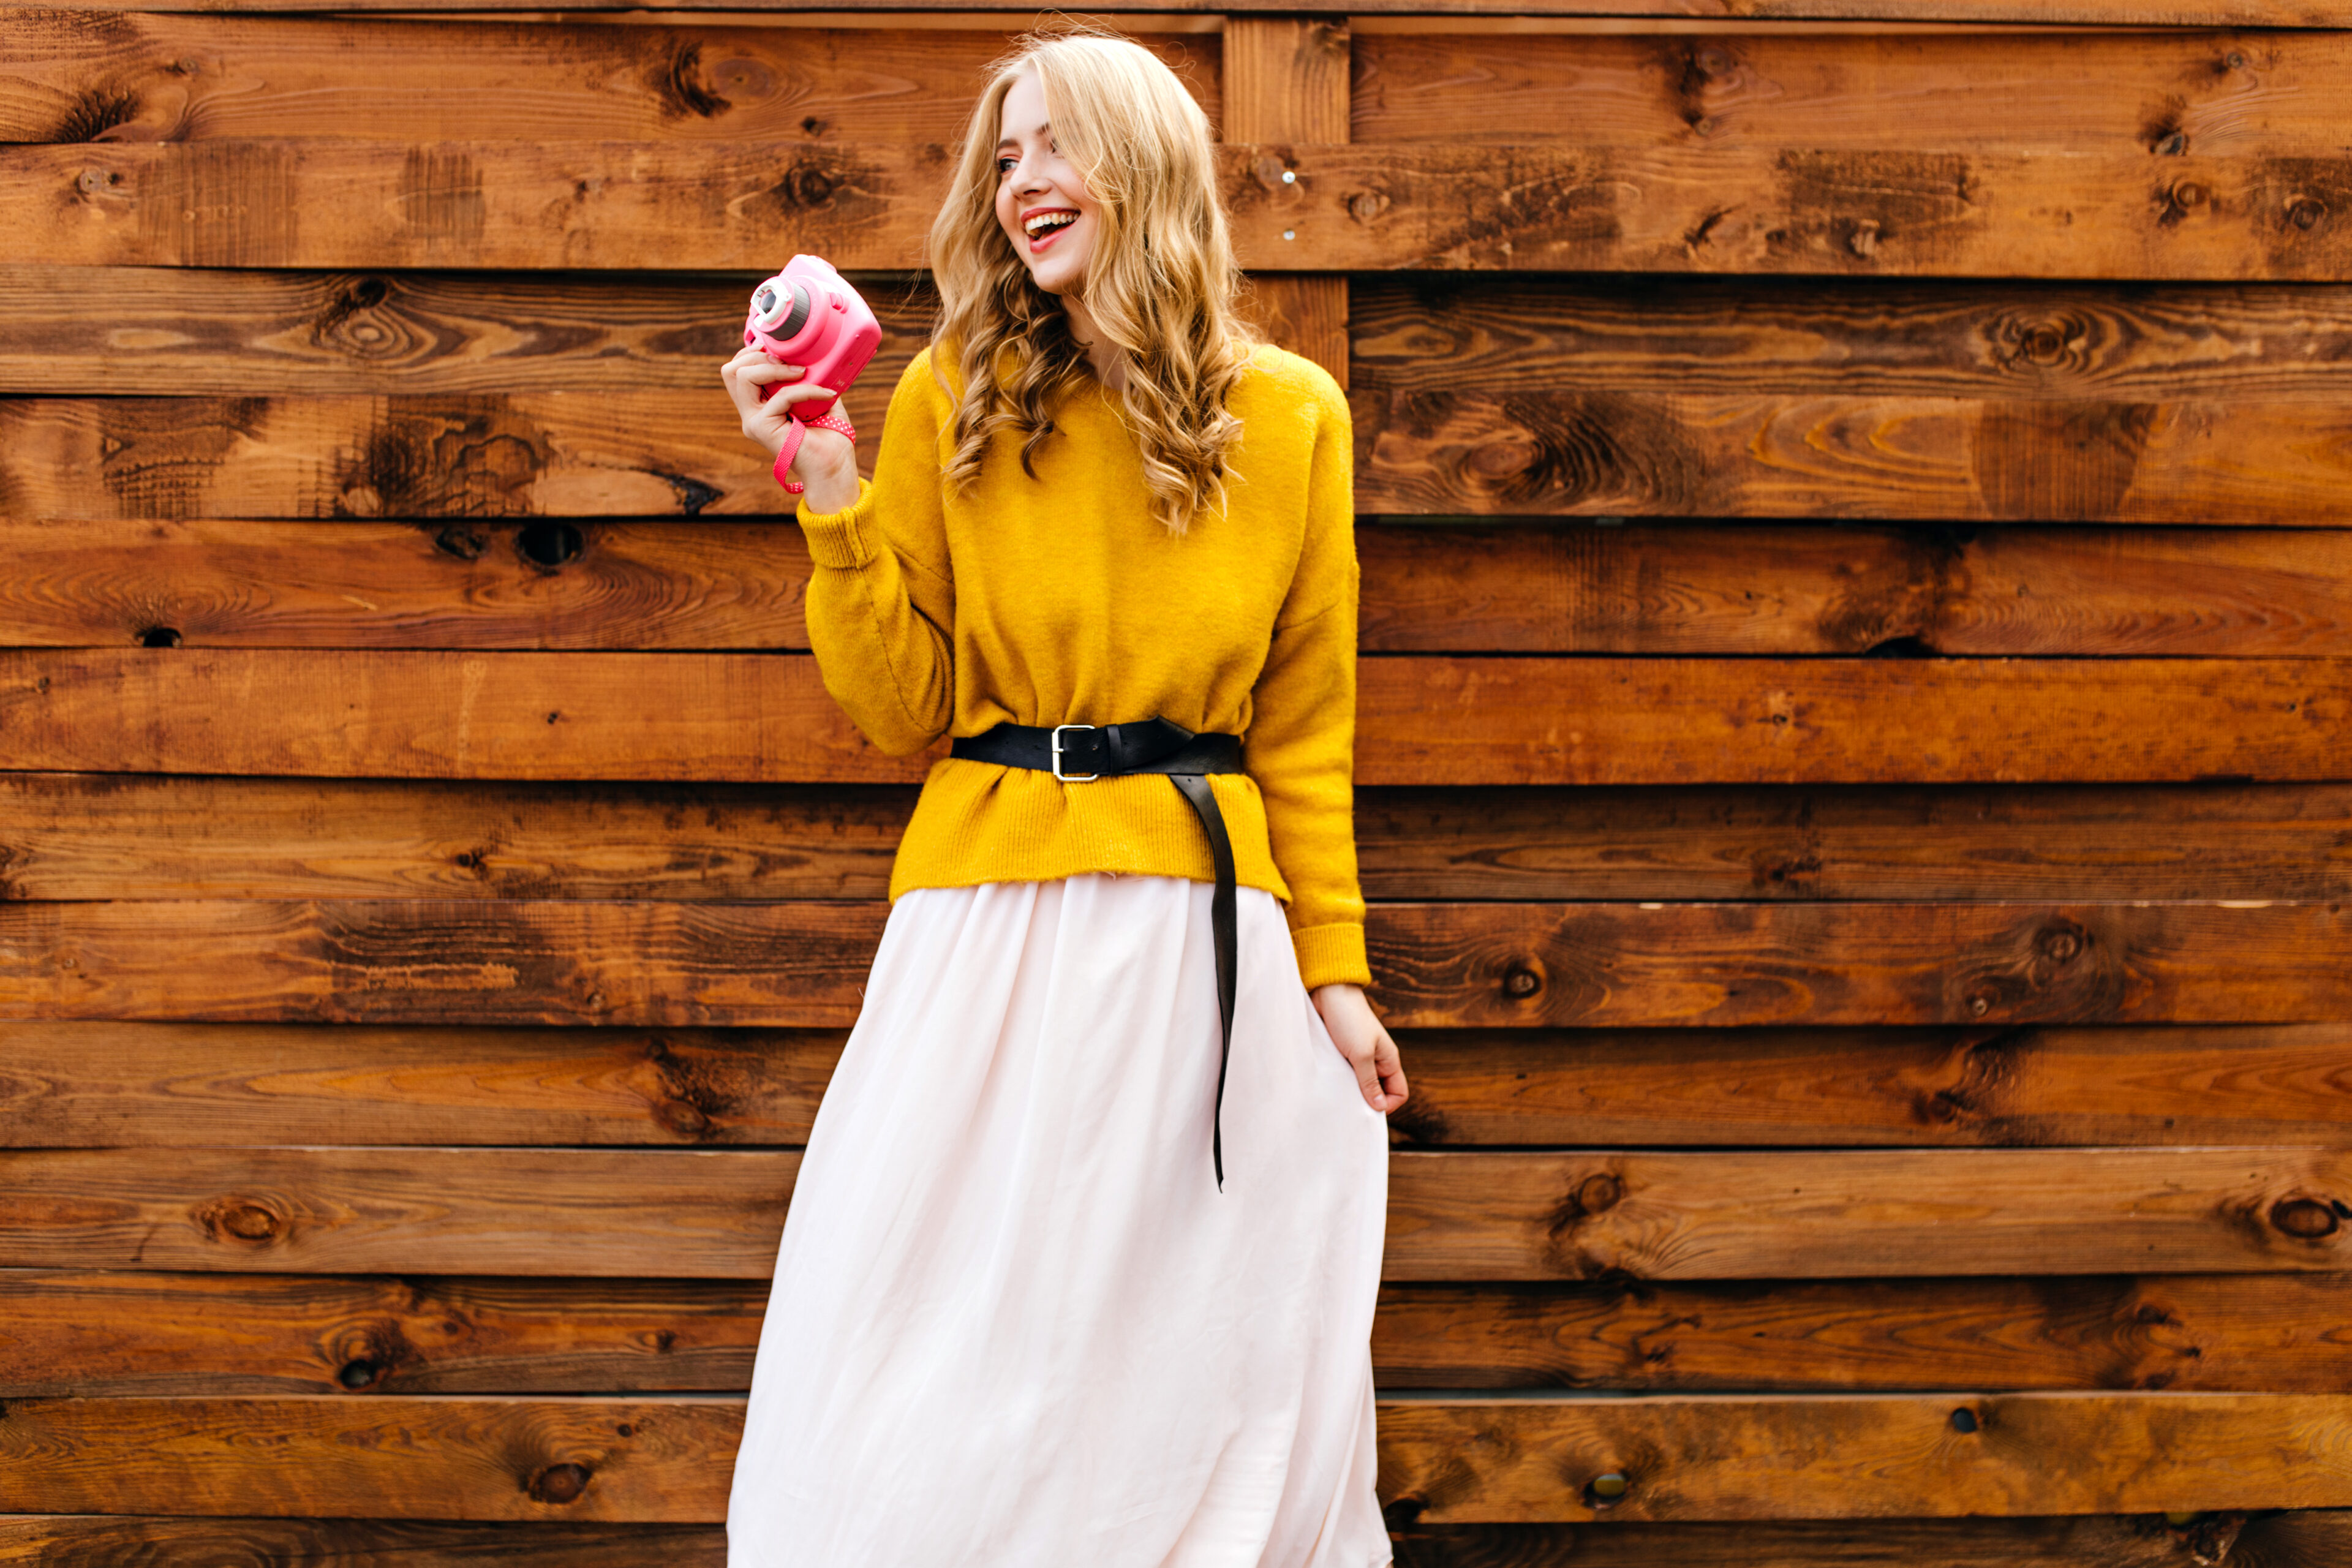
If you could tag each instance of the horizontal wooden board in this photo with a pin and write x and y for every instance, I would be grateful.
(651, 585)
(1856, 337)
(1775, 843)
(638, 1460)
(1426, 719)
(83, 1084)
(2165, 93)
(1701, 589)
(1853, 1212)
(2313, 1538)
(430, 962)
(685, 1214)
(1459, 453)
(1451, 1216)
(789, 964)
(2217, 1332)
(1650, 589)
(98, 1541)
(84, 1335)
(1472, 452)
(1829, 1457)
(2275, 1084)
(237, 334)
(202, 78)
(1433, 204)
(674, 451)
(657, 1460)
(63, 1085)
(75, 837)
(1642, 965)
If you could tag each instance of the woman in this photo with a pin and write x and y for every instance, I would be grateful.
(1069, 1279)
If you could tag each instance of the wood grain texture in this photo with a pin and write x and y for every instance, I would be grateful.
(1859, 337)
(1929, 459)
(578, 454)
(212, 331)
(2315, 1538)
(66, 1085)
(1532, 1459)
(1580, 15)
(1809, 1088)
(1452, 1217)
(1603, 720)
(1649, 589)
(1462, 1459)
(795, 965)
(92, 1334)
(1287, 80)
(2183, 1333)
(108, 837)
(2147, 92)
(1648, 964)
(88, 1084)
(789, 964)
(1698, 588)
(638, 1460)
(1442, 205)
(1426, 719)
(1773, 843)
(1449, 453)
(83, 1334)
(206, 79)
(77, 837)
(640, 586)
(92, 1541)
(676, 1213)
(1860, 1213)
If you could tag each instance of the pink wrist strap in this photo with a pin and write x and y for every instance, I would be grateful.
(833, 421)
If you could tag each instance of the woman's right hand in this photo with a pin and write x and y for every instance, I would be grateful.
(827, 462)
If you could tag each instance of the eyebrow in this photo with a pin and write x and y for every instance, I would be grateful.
(1046, 129)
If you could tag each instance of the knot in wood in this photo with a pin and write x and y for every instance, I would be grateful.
(1521, 981)
(559, 1484)
(2190, 194)
(1604, 1489)
(1599, 1194)
(93, 181)
(2060, 944)
(681, 1117)
(806, 186)
(1365, 206)
(2305, 212)
(2305, 1219)
(240, 1219)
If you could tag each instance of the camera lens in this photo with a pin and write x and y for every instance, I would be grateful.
(783, 306)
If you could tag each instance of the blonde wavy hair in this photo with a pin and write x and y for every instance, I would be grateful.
(1161, 284)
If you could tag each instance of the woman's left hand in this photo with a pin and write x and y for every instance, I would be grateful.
(1357, 1031)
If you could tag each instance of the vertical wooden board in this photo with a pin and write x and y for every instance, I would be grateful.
(1287, 81)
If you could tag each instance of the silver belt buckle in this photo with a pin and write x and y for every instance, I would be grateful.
(1057, 745)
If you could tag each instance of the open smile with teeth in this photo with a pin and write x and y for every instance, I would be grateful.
(1050, 221)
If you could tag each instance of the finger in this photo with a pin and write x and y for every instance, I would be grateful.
(766, 370)
(1388, 1062)
(787, 395)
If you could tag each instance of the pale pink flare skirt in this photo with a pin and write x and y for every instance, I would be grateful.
(1014, 1324)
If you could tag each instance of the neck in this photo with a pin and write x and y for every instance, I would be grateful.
(1109, 364)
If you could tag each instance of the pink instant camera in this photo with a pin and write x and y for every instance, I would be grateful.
(809, 316)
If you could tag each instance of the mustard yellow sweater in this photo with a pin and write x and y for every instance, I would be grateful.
(1058, 600)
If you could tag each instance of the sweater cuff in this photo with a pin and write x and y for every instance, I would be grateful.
(1331, 955)
(844, 540)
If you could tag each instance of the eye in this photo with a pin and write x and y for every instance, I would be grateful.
(1004, 164)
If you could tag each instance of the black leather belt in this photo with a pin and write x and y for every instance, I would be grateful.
(1077, 752)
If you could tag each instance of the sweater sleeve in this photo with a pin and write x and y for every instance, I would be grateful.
(881, 600)
(1302, 736)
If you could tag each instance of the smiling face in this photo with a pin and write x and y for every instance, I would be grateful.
(1041, 199)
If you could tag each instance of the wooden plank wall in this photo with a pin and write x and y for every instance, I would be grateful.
(1858, 639)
